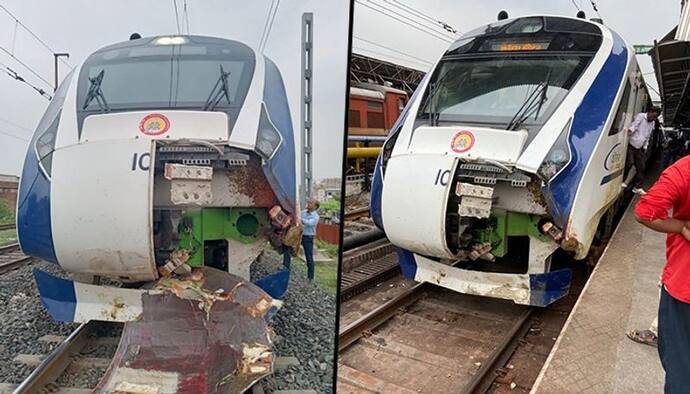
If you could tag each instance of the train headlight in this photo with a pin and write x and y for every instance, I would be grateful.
(557, 158)
(171, 40)
(268, 139)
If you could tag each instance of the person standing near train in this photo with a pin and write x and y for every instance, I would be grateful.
(310, 218)
(639, 133)
(671, 192)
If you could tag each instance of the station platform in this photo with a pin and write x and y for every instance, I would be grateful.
(592, 353)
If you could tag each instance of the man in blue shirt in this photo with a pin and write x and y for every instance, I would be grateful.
(310, 218)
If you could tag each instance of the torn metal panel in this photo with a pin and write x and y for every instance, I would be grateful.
(204, 333)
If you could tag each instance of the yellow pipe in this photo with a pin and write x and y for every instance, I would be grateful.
(362, 153)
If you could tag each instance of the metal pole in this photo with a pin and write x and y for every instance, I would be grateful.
(56, 56)
(306, 110)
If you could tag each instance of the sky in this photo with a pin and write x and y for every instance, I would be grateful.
(637, 21)
(80, 27)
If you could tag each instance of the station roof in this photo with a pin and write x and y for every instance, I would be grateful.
(365, 69)
(671, 60)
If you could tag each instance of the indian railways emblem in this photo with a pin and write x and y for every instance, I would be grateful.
(154, 124)
(462, 141)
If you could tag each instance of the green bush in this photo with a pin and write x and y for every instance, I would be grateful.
(6, 212)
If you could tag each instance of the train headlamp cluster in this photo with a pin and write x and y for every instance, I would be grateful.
(268, 138)
(177, 40)
(558, 156)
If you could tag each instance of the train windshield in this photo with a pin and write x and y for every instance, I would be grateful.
(491, 90)
(165, 76)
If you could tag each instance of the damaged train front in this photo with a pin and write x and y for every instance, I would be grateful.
(170, 168)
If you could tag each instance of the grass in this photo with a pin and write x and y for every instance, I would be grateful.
(8, 237)
(325, 273)
(331, 205)
(330, 249)
(6, 213)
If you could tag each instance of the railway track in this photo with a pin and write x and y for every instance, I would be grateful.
(59, 370)
(366, 266)
(7, 226)
(429, 339)
(357, 213)
(11, 257)
(55, 371)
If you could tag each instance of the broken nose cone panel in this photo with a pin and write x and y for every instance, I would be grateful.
(203, 333)
(71, 301)
(275, 284)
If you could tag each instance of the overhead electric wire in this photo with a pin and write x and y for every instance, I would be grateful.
(34, 35)
(415, 11)
(431, 33)
(9, 122)
(186, 15)
(415, 19)
(3, 49)
(177, 17)
(594, 7)
(268, 25)
(576, 6)
(392, 50)
(387, 56)
(14, 136)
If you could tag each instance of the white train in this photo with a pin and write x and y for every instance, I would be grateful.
(512, 147)
(154, 152)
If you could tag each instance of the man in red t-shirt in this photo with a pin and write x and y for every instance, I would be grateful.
(672, 192)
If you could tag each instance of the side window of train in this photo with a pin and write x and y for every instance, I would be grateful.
(619, 120)
(45, 144)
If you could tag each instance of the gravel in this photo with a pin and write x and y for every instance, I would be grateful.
(24, 320)
(305, 329)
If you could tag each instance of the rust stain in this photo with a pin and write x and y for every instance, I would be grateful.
(251, 181)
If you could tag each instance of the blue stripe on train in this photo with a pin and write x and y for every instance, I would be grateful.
(57, 295)
(549, 287)
(280, 170)
(588, 124)
(33, 210)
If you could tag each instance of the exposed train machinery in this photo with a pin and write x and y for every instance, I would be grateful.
(200, 168)
(509, 156)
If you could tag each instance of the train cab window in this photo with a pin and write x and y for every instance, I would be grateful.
(619, 121)
(375, 120)
(491, 90)
(401, 104)
(154, 76)
(45, 145)
(354, 119)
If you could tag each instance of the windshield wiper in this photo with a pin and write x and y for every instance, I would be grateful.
(220, 90)
(433, 90)
(532, 103)
(95, 92)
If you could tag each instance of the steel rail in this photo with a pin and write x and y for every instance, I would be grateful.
(485, 376)
(8, 226)
(50, 369)
(8, 248)
(357, 213)
(357, 329)
(5, 267)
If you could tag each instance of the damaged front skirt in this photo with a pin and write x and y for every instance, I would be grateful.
(203, 332)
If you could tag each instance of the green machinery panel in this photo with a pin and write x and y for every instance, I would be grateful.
(211, 224)
(510, 224)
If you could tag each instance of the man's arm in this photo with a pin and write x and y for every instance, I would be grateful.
(310, 220)
(652, 210)
(635, 124)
